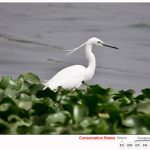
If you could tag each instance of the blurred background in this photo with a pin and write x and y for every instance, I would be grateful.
(34, 37)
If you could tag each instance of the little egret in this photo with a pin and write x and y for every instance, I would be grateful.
(73, 76)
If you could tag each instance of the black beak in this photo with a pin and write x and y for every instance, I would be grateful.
(110, 46)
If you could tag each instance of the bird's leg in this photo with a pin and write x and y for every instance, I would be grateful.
(74, 89)
(78, 85)
(84, 83)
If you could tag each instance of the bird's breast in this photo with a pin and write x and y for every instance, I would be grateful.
(89, 75)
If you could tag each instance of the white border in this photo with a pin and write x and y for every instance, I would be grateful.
(69, 142)
(75, 1)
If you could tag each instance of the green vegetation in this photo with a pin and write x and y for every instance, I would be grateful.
(25, 108)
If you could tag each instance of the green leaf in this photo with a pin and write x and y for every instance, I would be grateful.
(13, 118)
(4, 127)
(143, 130)
(96, 126)
(146, 92)
(18, 85)
(30, 78)
(8, 107)
(1, 94)
(46, 93)
(124, 100)
(144, 107)
(24, 97)
(8, 100)
(35, 88)
(17, 123)
(7, 81)
(11, 93)
(4, 107)
(60, 117)
(79, 112)
(132, 131)
(37, 129)
(26, 105)
(42, 108)
(98, 90)
(131, 121)
(25, 88)
(129, 108)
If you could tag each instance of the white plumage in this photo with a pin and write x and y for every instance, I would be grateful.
(73, 76)
(70, 81)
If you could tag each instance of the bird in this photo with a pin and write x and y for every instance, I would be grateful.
(73, 76)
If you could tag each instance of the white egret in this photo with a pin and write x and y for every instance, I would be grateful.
(73, 76)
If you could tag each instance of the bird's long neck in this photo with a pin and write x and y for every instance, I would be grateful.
(92, 62)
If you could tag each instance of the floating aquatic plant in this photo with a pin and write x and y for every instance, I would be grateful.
(25, 108)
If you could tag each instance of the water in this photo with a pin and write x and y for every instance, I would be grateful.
(34, 37)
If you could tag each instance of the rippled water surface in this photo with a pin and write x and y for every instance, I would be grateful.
(34, 37)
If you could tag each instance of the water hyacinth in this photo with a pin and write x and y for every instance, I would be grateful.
(25, 108)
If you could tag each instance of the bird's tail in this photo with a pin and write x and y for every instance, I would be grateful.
(45, 84)
(45, 87)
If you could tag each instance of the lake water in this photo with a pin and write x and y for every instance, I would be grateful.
(34, 37)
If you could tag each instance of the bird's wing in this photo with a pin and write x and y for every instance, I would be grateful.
(69, 77)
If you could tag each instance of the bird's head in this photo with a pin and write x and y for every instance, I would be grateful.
(92, 41)
(95, 41)
(98, 42)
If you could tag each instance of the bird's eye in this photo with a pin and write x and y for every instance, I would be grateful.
(98, 42)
